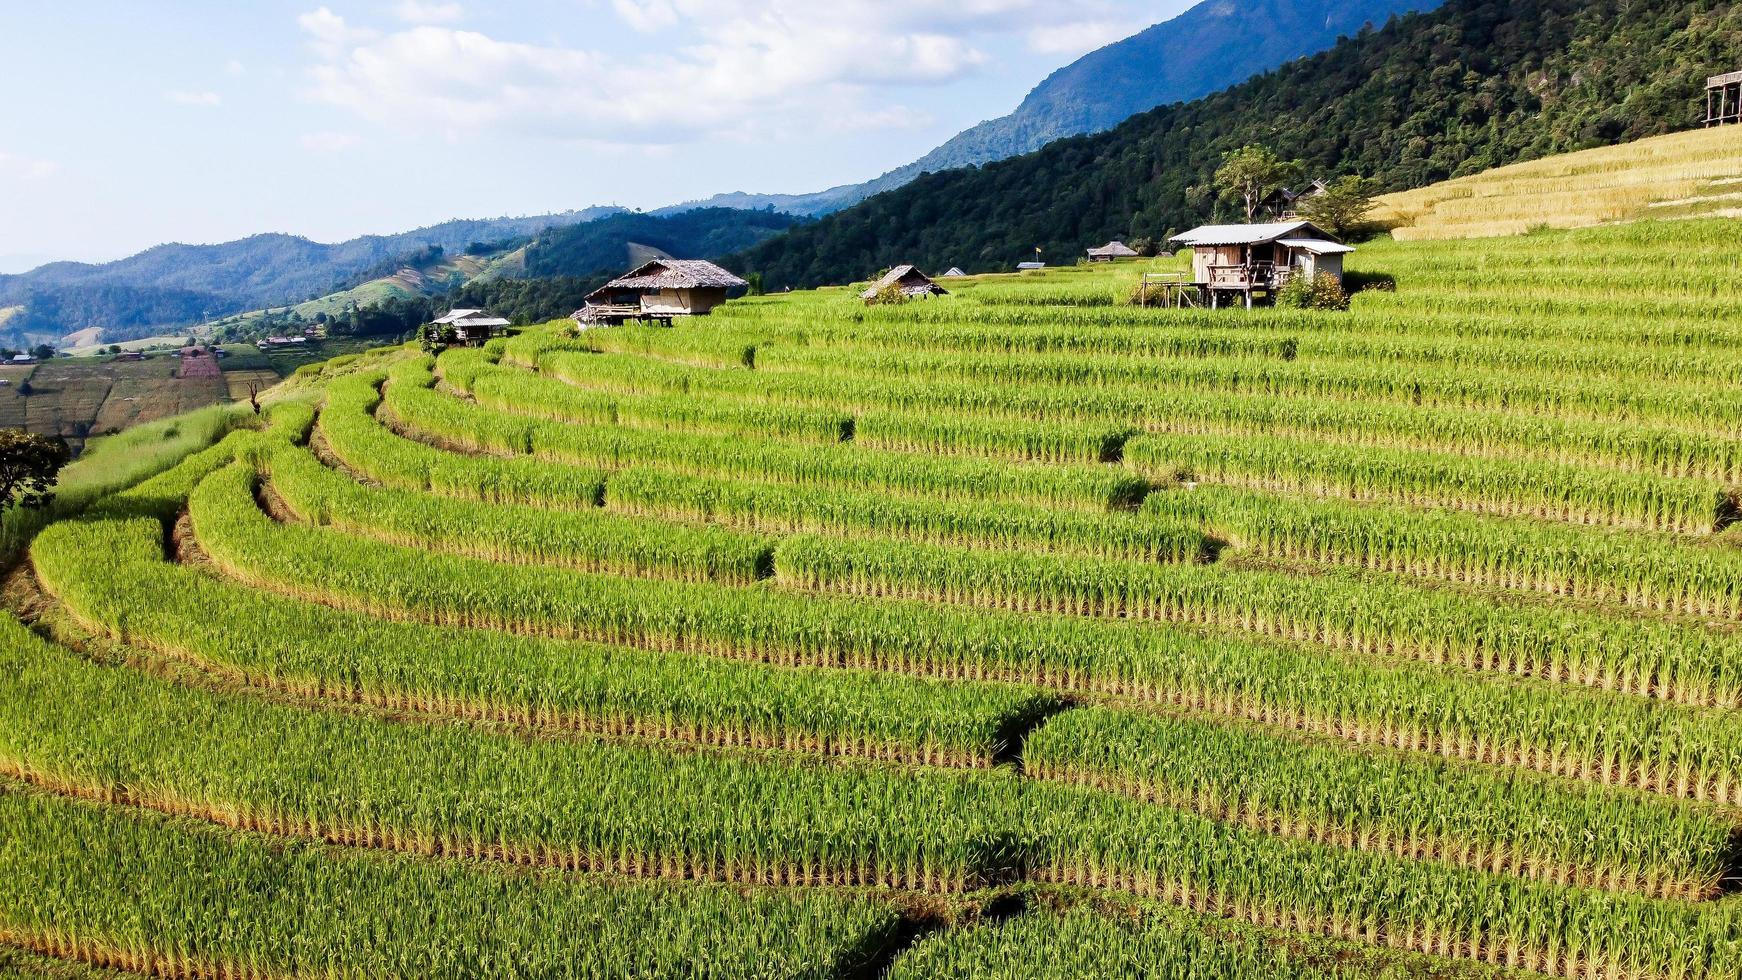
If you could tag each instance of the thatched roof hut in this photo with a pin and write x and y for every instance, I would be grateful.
(914, 284)
(660, 290)
(1112, 251)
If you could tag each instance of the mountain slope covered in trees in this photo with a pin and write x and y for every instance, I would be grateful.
(1209, 47)
(1472, 85)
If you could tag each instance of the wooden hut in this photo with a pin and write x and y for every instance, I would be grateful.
(1112, 252)
(955, 273)
(1724, 99)
(469, 328)
(914, 284)
(1242, 262)
(660, 290)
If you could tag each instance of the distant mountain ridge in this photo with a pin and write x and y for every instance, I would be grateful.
(176, 284)
(1214, 45)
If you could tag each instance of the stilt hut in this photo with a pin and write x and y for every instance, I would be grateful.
(1724, 99)
(660, 290)
(1246, 263)
(466, 328)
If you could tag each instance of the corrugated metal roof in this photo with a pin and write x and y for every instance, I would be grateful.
(457, 315)
(1317, 246)
(1212, 235)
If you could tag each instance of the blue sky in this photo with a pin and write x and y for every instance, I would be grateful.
(127, 124)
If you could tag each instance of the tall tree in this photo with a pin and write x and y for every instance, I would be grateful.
(1253, 173)
(29, 465)
(1342, 208)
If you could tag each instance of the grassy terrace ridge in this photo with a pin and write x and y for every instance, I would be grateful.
(1014, 633)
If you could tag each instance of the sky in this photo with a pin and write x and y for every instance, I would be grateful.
(127, 124)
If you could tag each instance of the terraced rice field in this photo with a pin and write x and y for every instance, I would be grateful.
(1695, 174)
(1013, 634)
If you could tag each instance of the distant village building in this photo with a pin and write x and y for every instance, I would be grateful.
(466, 328)
(279, 343)
(1112, 252)
(1285, 203)
(23, 359)
(914, 284)
(1241, 262)
(1724, 99)
(660, 290)
(954, 273)
(1030, 266)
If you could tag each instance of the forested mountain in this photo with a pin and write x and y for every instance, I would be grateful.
(1209, 47)
(1471, 85)
(602, 248)
(178, 285)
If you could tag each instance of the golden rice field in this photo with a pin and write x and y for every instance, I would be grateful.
(1017, 633)
(1684, 175)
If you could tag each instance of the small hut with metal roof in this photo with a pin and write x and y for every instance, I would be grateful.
(914, 284)
(1236, 262)
(1113, 251)
(660, 290)
(464, 327)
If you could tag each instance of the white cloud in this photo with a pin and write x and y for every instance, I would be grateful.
(234, 68)
(328, 141)
(26, 168)
(422, 12)
(1075, 39)
(716, 66)
(329, 34)
(199, 100)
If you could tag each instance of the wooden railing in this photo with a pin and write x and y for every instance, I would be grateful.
(1259, 275)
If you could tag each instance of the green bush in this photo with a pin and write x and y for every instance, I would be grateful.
(1321, 292)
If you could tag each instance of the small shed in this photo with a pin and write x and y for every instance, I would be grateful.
(1112, 252)
(1030, 266)
(660, 290)
(914, 284)
(465, 327)
(955, 273)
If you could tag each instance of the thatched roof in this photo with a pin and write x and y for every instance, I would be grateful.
(673, 274)
(1113, 250)
(912, 282)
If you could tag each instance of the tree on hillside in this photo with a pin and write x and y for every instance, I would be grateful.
(1253, 173)
(29, 465)
(1343, 208)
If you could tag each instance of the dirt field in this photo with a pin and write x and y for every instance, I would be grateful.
(238, 381)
